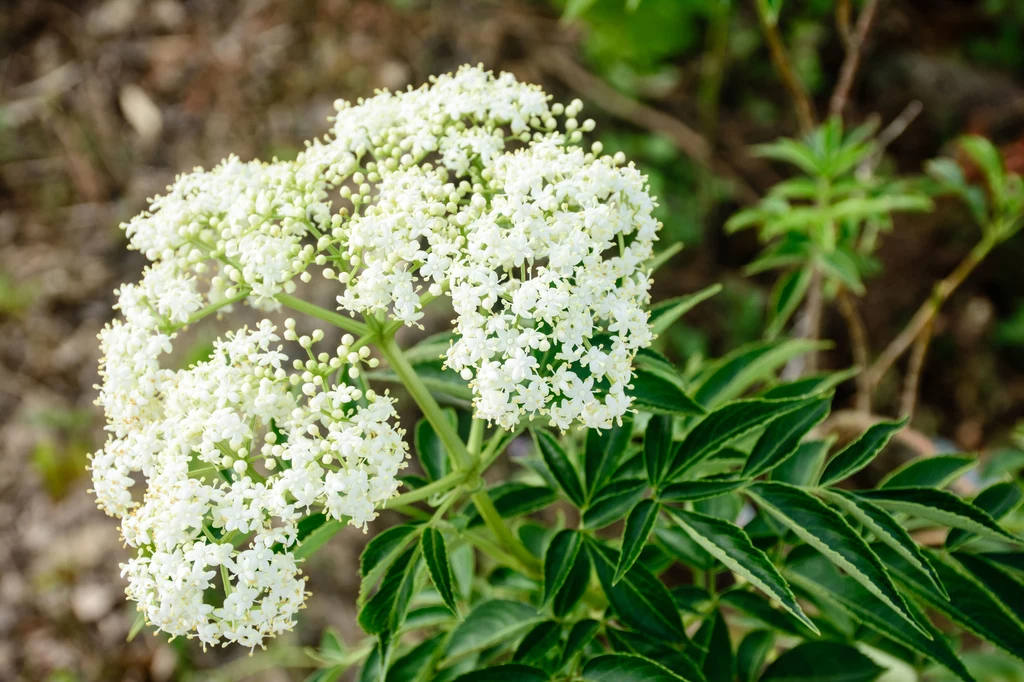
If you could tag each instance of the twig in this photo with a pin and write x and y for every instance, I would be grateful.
(859, 346)
(889, 134)
(784, 67)
(560, 64)
(913, 380)
(843, 22)
(854, 51)
(928, 310)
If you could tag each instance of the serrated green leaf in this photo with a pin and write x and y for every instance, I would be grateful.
(558, 560)
(969, 605)
(757, 606)
(1006, 588)
(574, 586)
(822, 661)
(860, 452)
(998, 500)
(752, 653)
(821, 579)
(409, 667)
(653, 393)
(613, 503)
(509, 672)
(695, 491)
(738, 371)
(603, 452)
(666, 313)
(386, 609)
(496, 621)
(782, 437)
(544, 637)
(809, 385)
(561, 467)
(515, 499)
(802, 467)
(936, 471)
(379, 554)
(657, 447)
(886, 529)
(639, 525)
(581, 634)
(435, 554)
(939, 507)
(678, 544)
(627, 668)
(640, 599)
(725, 425)
(829, 533)
(719, 664)
(730, 545)
(430, 450)
(668, 656)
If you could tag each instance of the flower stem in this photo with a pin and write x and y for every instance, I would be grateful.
(313, 310)
(441, 485)
(465, 463)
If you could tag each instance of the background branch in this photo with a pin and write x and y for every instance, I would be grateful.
(784, 66)
(854, 50)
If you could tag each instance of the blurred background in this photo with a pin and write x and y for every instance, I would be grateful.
(102, 102)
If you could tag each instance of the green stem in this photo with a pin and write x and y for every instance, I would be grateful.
(464, 462)
(441, 485)
(313, 310)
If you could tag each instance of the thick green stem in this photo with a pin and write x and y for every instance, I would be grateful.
(464, 461)
(441, 485)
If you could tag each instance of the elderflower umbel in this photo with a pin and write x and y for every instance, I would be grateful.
(468, 188)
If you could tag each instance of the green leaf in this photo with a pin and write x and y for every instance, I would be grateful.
(782, 437)
(436, 556)
(603, 453)
(492, 622)
(653, 393)
(758, 607)
(558, 560)
(732, 375)
(664, 314)
(538, 642)
(509, 672)
(939, 507)
(969, 604)
(752, 653)
(561, 467)
(410, 665)
(640, 599)
(802, 467)
(613, 503)
(719, 664)
(1006, 588)
(385, 610)
(516, 499)
(668, 656)
(581, 634)
(657, 447)
(725, 425)
(999, 499)
(822, 661)
(821, 579)
(936, 471)
(574, 587)
(431, 451)
(730, 545)
(626, 668)
(888, 530)
(860, 452)
(639, 525)
(379, 554)
(317, 538)
(434, 376)
(678, 544)
(695, 491)
(809, 385)
(330, 674)
(829, 533)
(789, 291)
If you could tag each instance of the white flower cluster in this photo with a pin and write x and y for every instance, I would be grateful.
(469, 187)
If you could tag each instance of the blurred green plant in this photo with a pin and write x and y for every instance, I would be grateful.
(826, 220)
